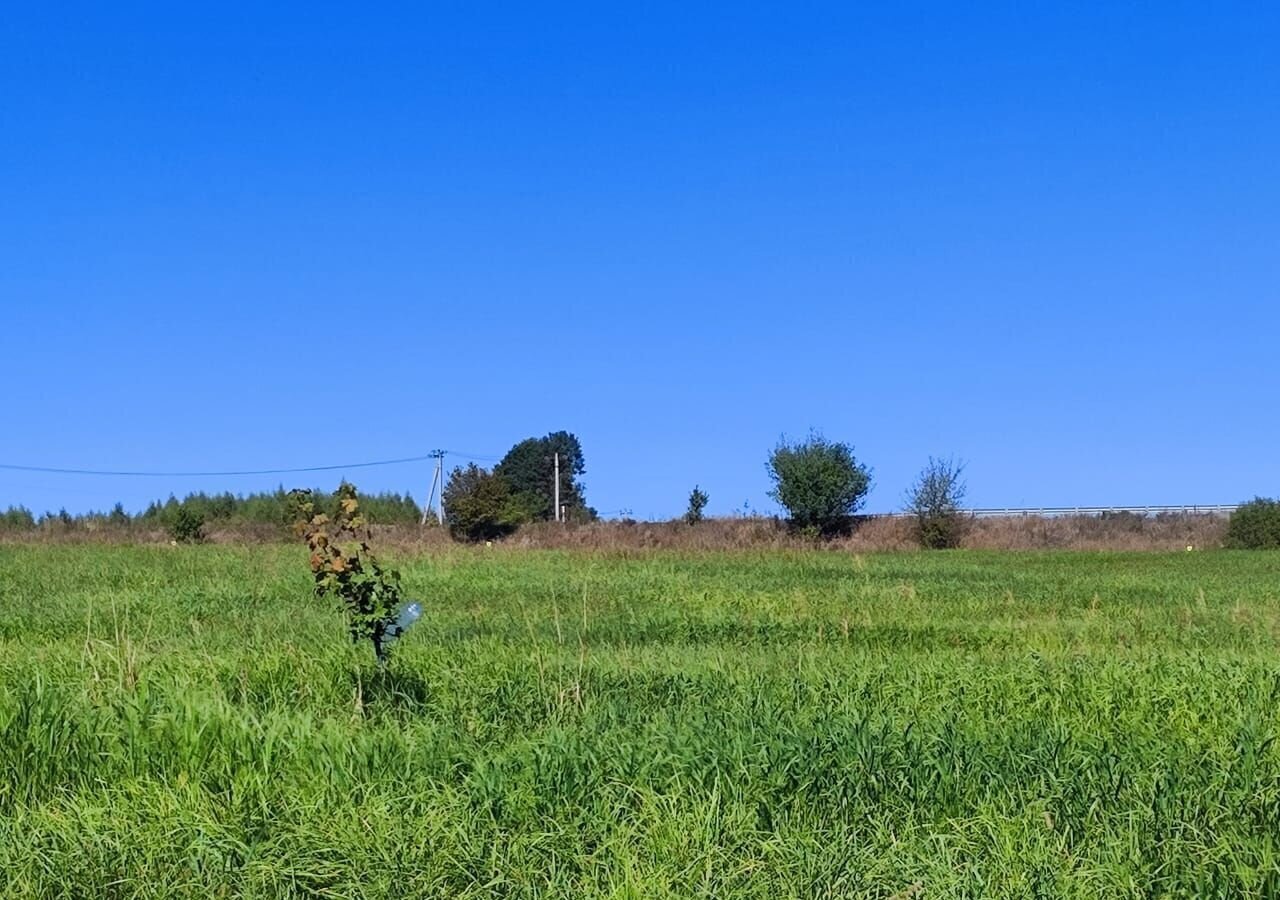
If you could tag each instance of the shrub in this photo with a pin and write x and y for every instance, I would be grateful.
(697, 503)
(185, 525)
(17, 518)
(1255, 525)
(818, 482)
(934, 499)
(479, 506)
(345, 568)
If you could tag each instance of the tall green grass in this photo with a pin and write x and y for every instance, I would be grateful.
(189, 722)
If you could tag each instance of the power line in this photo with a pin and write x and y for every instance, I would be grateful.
(284, 471)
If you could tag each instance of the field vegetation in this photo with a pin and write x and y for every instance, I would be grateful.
(192, 721)
(197, 516)
(1119, 531)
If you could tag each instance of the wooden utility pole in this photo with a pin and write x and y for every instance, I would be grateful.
(437, 484)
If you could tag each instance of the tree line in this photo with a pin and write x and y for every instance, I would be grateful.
(819, 483)
(188, 518)
(480, 504)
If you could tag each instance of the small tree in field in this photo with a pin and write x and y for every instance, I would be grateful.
(818, 482)
(697, 503)
(479, 505)
(935, 499)
(346, 570)
(185, 524)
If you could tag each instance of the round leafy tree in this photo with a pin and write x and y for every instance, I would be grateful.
(818, 482)
(479, 506)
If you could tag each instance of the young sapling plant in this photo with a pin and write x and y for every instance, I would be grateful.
(346, 570)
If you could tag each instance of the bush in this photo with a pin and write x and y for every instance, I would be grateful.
(934, 499)
(1255, 525)
(185, 525)
(345, 569)
(697, 503)
(818, 482)
(479, 506)
(17, 518)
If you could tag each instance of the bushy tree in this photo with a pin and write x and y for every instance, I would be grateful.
(697, 503)
(478, 505)
(185, 525)
(1255, 525)
(818, 482)
(529, 470)
(935, 499)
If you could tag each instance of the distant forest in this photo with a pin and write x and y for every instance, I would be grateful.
(225, 509)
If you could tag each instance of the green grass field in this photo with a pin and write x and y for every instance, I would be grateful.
(189, 722)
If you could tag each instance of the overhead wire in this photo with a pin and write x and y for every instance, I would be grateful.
(128, 473)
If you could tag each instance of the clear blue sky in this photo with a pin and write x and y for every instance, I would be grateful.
(1043, 238)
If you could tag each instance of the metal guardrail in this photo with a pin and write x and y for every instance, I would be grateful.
(1210, 509)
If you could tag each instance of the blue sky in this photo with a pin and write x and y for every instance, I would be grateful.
(1043, 238)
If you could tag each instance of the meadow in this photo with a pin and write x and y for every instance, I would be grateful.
(191, 722)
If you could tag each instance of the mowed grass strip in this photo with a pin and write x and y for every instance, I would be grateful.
(191, 722)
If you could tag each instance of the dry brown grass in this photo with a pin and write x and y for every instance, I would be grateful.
(1125, 531)
(882, 533)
